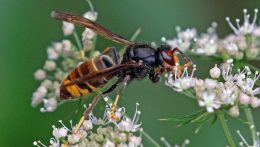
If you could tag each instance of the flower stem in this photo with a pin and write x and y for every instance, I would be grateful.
(250, 119)
(134, 36)
(224, 125)
(76, 37)
(150, 139)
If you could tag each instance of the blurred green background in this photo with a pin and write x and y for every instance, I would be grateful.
(26, 29)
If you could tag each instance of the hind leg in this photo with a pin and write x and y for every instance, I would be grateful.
(93, 104)
(119, 93)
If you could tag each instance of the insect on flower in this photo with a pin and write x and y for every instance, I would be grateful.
(137, 62)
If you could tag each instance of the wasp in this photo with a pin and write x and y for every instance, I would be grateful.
(138, 61)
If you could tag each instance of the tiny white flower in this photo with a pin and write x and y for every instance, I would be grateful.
(88, 34)
(39, 74)
(135, 141)
(208, 99)
(38, 96)
(231, 48)
(67, 28)
(188, 34)
(66, 45)
(210, 84)
(59, 132)
(246, 27)
(255, 102)
(57, 47)
(49, 105)
(87, 125)
(73, 138)
(126, 125)
(228, 93)
(52, 54)
(47, 83)
(256, 32)
(49, 65)
(180, 84)
(109, 143)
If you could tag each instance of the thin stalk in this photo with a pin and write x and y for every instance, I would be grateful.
(150, 139)
(224, 125)
(76, 37)
(94, 42)
(189, 94)
(250, 119)
(90, 5)
(135, 35)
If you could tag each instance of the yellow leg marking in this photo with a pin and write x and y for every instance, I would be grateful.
(79, 124)
(66, 144)
(113, 109)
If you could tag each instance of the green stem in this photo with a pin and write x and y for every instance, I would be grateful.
(224, 125)
(94, 42)
(250, 119)
(90, 5)
(135, 35)
(150, 139)
(190, 95)
(76, 37)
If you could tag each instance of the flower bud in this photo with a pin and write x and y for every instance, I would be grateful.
(66, 45)
(244, 99)
(67, 28)
(74, 138)
(234, 111)
(87, 125)
(39, 74)
(49, 65)
(255, 102)
(215, 72)
(47, 83)
(91, 15)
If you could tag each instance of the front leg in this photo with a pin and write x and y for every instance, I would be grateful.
(156, 75)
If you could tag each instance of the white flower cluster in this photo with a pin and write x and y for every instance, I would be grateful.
(236, 89)
(243, 44)
(97, 133)
(62, 57)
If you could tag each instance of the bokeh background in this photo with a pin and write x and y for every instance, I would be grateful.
(26, 29)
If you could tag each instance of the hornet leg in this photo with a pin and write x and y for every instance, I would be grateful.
(186, 59)
(119, 93)
(93, 104)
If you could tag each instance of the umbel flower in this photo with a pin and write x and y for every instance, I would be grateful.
(99, 132)
(234, 91)
(244, 43)
(62, 57)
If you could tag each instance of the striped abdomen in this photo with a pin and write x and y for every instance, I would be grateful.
(107, 59)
